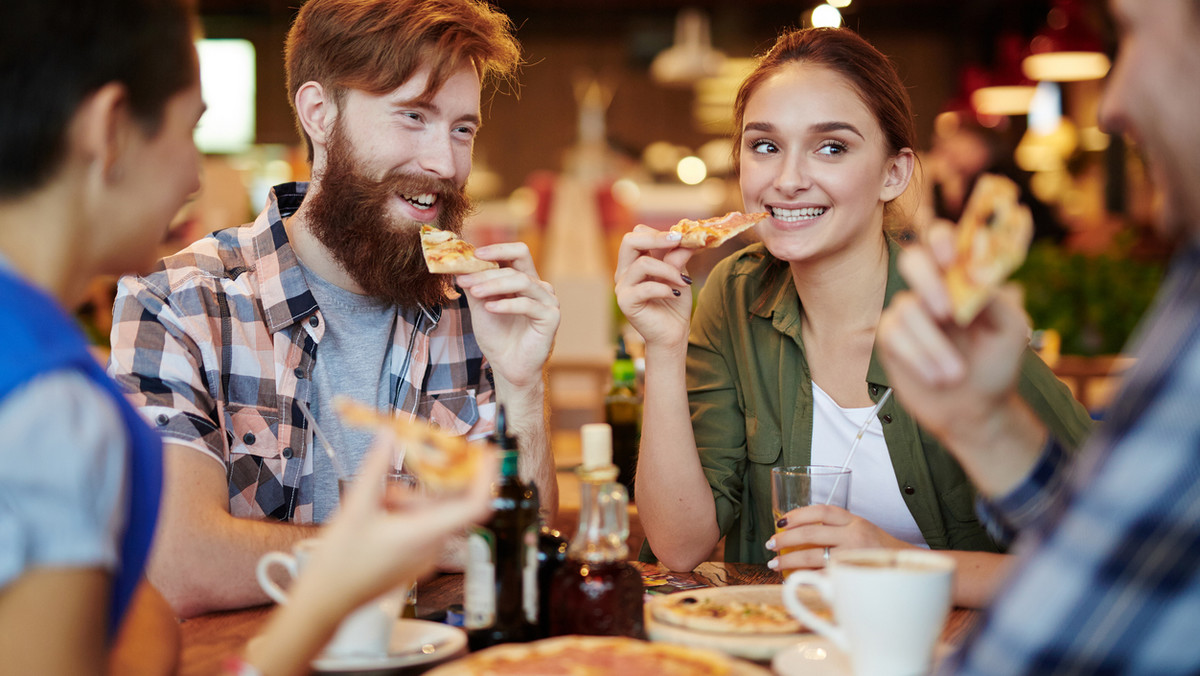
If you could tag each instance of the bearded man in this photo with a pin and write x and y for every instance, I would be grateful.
(327, 294)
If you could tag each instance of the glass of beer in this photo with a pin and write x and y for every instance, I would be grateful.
(804, 485)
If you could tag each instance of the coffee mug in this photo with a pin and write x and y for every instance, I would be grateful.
(365, 632)
(890, 605)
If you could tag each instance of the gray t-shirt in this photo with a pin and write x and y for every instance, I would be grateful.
(352, 361)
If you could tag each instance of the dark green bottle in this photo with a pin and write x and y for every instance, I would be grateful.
(500, 591)
(623, 413)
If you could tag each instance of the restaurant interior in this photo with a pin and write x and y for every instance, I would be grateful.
(622, 116)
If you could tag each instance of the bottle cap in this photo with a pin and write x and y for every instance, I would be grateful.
(597, 445)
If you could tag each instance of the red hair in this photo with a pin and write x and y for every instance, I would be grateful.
(377, 45)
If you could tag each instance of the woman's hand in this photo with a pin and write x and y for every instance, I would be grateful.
(653, 289)
(818, 527)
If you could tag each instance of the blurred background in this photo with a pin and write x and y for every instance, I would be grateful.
(623, 116)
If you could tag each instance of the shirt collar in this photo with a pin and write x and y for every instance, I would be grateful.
(286, 297)
(779, 301)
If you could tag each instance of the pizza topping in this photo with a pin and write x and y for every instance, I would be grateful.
(444, 462)
(712, 232)
(992, 239)
(446, 253)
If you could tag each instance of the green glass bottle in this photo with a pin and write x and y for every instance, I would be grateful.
(500, 590)
(623, 413)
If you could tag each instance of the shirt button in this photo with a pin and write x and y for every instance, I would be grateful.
(874, 390)
(288, 453)
(162, 419)
(299, 372)
(909, 490)
(248, 439)
(434, 425)
(887, 417)
(313, 321)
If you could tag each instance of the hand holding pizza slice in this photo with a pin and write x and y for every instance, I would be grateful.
(992, 239)
(713, 232)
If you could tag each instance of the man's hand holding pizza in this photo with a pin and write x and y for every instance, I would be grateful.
(959, 378)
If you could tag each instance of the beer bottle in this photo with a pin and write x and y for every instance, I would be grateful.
(500, 592)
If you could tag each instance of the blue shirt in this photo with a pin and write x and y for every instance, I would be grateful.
(1108, 575)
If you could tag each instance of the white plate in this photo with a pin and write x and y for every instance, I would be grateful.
(408, 637)
(811, 656)
(816, 656)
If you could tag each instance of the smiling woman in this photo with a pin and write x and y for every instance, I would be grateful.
(777, 365)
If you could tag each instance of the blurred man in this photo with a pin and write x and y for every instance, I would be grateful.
(327, 294)
(1109, 575)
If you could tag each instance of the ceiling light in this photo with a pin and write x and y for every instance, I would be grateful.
(826, 16)
(692, 56)
(1067, 49)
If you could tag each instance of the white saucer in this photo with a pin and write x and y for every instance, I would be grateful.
(817, 656)
(811, 656)
(408, 637)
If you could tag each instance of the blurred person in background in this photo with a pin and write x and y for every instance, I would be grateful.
(327, 294)
(778, 366)
(96, 156)
(1108, 575)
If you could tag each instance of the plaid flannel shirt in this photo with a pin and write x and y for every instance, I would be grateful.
(1108, 578)
(218, 344)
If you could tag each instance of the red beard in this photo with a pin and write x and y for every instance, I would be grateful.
(349, 216)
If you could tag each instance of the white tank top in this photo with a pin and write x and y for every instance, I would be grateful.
(874, 492)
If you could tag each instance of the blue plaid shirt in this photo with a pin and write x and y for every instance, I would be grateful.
(1108, 575)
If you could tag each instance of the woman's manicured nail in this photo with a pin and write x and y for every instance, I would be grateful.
(782, 522)
(771, 544)
(686, 279)
(773, 564)
(676, 292)
(674, 236)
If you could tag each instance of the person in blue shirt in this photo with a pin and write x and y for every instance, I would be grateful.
(1108, 575)
(96, 157)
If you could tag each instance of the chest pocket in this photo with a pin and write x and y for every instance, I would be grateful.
(255, 431)
(763, 442)
(454, 412)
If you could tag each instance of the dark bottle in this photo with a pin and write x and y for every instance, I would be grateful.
(623, 412)
(596, 591)
(552, 553)
(500, 592)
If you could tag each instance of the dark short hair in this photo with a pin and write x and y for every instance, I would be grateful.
(56, 53)
(377, 45)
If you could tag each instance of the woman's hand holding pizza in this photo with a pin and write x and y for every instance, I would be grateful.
(514, 314)
(652, 286)
(816, 527)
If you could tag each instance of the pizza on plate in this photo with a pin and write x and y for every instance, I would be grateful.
(446, 253)
(752, 609)
(713, 232)
(992, 239)
(597, 656)
(443, 462)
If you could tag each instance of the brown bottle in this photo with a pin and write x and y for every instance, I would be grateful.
(596, 591)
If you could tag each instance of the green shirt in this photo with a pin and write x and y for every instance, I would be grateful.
(750, 393)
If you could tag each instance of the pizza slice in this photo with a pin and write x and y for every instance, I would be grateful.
(713, 232)
(443, 462)
(992, 239)
(446, 253)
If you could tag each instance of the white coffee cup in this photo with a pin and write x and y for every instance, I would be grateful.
(890, 605)
(363, 633)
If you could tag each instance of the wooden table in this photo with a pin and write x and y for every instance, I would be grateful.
(208, 639)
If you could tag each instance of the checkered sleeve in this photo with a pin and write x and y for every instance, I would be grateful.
(158, 358)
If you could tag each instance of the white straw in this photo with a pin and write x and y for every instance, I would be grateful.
(312, 422)
(857, 438)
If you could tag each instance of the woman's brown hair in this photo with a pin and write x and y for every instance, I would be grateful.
(377, 45)
(843, 51)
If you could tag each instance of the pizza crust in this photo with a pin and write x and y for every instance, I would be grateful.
(445, 253)
(597, 656)
(992, 239)
(713, 232)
